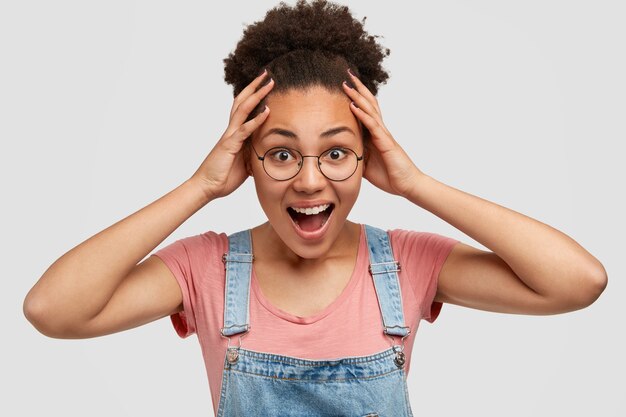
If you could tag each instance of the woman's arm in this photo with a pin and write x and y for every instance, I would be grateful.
(533, 269)
(78, 286)
(98, 288)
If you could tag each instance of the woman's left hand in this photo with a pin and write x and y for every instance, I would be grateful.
(387, 165)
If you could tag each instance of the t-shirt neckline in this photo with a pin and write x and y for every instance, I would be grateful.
(357, 272)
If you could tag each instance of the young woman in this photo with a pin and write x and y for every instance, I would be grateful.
(309, 313)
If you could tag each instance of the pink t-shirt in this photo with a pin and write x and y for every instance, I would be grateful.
(350, 326)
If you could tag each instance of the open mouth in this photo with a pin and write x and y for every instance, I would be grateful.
(311, 219)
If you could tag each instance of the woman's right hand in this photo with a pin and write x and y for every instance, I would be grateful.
(224, 169)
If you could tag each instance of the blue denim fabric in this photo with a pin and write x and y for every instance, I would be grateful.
(383, 268)
(266, 384)
(238, 265)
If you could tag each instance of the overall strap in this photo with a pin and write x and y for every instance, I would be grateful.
(238, 265)
(384, 268)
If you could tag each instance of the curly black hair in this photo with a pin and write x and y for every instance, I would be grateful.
(305, 45)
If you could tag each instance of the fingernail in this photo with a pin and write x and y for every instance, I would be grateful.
(262, 72)
(350, 72)
(354, 104)
(348, 85)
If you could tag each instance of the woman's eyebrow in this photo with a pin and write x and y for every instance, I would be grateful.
(279, 131)
(336, 130)
(326, 134)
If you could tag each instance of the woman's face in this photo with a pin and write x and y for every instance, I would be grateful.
(310, 122)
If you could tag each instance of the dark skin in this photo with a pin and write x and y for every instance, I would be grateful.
(530, 268)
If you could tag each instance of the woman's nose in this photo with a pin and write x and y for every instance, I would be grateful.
(310, 179)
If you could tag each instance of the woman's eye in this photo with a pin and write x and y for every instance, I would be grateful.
(282, 155)
(336, 154)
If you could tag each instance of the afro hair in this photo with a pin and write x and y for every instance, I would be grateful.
(308, 44)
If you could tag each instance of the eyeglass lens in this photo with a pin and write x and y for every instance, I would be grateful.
(284, 163)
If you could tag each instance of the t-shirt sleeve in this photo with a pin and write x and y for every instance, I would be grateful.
(421, 256)
(177, 257)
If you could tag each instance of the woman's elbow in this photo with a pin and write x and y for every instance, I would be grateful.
(38, 313)
(599, 282)
(595, 284)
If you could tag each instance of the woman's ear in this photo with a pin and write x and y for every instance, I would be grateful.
(246, 156)
(367, 142)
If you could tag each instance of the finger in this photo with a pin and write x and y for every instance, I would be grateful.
(236, 139)
(243, 111)
(361, 101)
(362, 89)
(380, 136)
(248, 90)
(365, 105)
(264, 82)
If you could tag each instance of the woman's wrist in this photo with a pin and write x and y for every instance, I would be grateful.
(416, 191)
(198, 192)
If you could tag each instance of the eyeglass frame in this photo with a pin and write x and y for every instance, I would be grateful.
(319, 163)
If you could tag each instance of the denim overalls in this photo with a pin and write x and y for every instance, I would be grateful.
(266, 384)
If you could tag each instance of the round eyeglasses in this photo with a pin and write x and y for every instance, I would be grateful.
(336, 163)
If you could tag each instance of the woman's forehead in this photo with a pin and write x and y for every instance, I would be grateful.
(312, 111)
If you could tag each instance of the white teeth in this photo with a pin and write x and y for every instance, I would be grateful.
(311, 210)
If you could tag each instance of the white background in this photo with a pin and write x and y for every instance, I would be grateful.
(107, 106)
